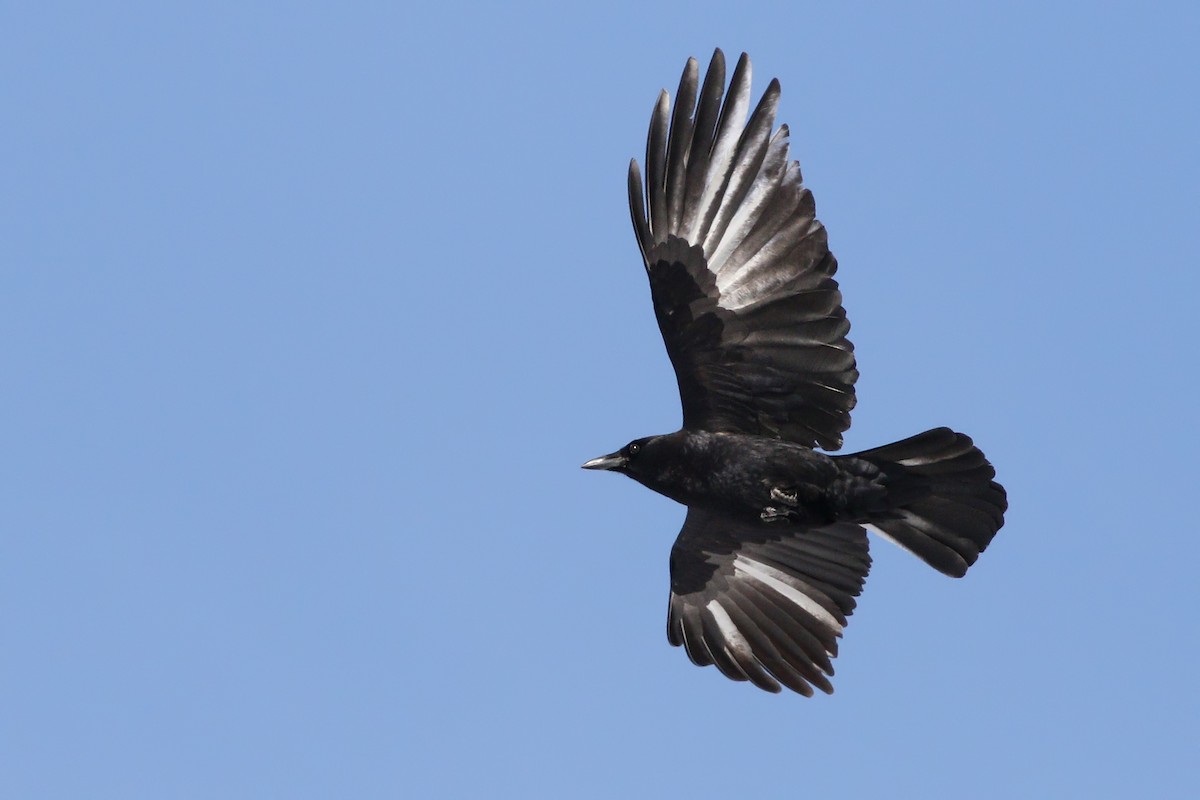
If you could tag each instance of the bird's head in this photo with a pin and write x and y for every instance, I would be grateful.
(647, 460)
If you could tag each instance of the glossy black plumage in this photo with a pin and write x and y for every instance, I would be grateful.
(773, 551)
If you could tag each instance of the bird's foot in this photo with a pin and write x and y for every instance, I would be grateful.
(785, 496)
(773, 514)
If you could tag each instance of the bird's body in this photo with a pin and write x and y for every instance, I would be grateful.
(773, 551)
(756, 478)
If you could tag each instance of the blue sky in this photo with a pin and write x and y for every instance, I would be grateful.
(310, 312)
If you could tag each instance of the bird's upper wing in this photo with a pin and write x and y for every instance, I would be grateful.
(763, 605)
(740, 269)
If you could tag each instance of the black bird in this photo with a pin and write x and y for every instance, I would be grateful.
(773, 550)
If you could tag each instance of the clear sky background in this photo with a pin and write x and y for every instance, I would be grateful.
(310, 312)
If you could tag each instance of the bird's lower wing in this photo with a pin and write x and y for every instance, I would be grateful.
(764, 606)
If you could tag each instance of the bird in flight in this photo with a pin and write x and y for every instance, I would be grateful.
(773, 550)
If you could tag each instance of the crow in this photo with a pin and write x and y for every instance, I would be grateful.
(773, 551)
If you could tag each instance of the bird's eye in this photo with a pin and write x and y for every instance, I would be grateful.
(634, 448)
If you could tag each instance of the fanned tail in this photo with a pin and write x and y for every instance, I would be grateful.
(944, 506)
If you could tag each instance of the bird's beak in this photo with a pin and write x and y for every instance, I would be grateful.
(610, 461)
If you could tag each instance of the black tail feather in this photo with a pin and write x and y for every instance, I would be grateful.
(943, 504)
